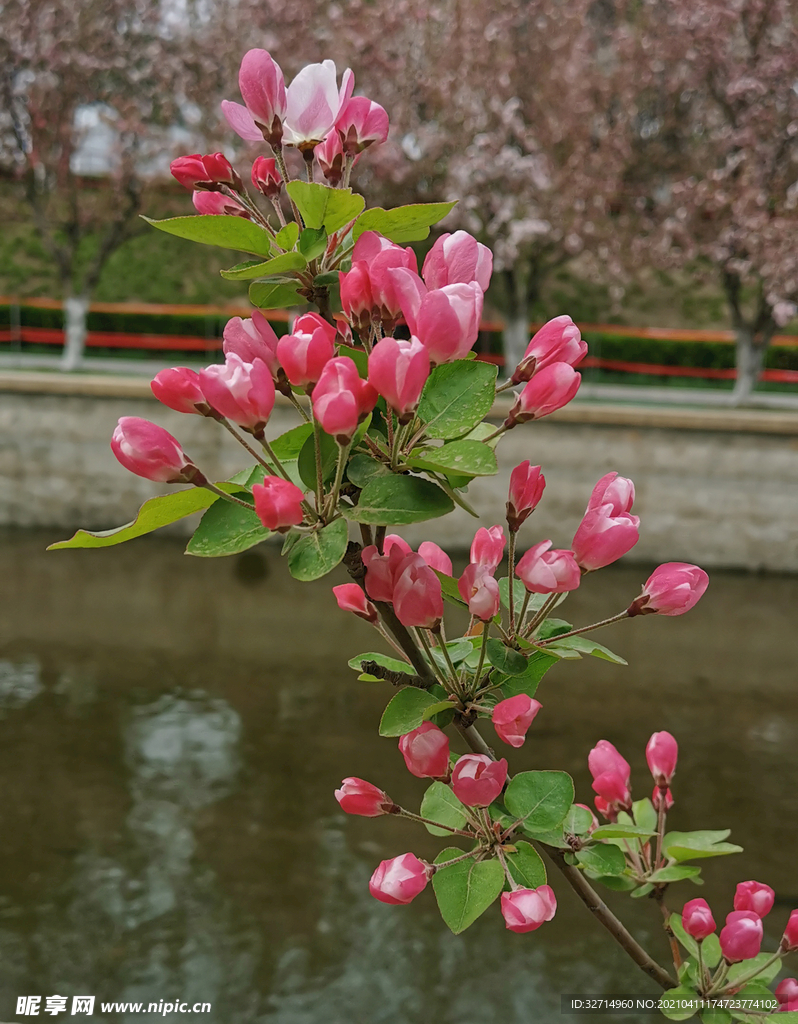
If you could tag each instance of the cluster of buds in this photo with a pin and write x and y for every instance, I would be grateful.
(476, 781)
(741, 939)
(612, 775)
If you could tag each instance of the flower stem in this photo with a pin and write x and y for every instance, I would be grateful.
(511, 578)
(437, 824)
(343, 452)
(455, 860)
(540, 614)
(584, 629)
(227, 497)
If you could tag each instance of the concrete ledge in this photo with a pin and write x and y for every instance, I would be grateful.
(616, 414)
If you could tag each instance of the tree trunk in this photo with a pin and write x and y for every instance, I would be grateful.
(515, 335)
(76, 309)
(750, 360)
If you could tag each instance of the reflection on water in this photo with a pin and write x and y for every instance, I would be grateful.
(168, 766)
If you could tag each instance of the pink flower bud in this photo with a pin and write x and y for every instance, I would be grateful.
(356, 796)
(351, 598)
(265, 176)
(697, 919)
(525, 910)
(613, 490)
(741, 938)
(241, 392)
(278, 503)
(787, 993)
(602, 538)
(477, 780)
(341, 399)
(754, 896)
(548, 572)
(250, 339)
(330, 155)
(400, 879)
(435, 557)
(512, 718)
(263, 88)
(426, 752)
(313, 103)
(392, 272)
(662, 799)
(417, 594)
(205, 172)
(606, 809)
(612, 787)
(216, 204)
(605, 758)
(382, 570)
(445, 320)
(662, 751)
(547, 392)
(480, 591)
(557, 341)
(399, 371)
(393, 540)
(357, 301)
(150, 451)
(487, 547)
(457, 259)
(307, 349)
(179, 389)
(789, 940)
(361, 123)
(526, 490)
(672, 589)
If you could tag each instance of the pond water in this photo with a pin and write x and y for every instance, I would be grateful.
(171, 733)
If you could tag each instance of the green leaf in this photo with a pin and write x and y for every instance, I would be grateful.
(312, 243)
(468, 457)
(675, 873)
(440, 804)
(693, 845)
(405, 712)
(306, 463)
(505, 659)
(644, 814)
(541, 799)
(288, 445)
(403, 224)
(669, 1004)
(456, 397)
(748, 966)
(326, 279)
(210, 229)
(552, 627)
(604, 860)
(449, 588)
(273, 296)
(226, 529)
(318, 552)
(465, 890)
(529, 680)
(362, 468)
(526, 866)
(716, 1015)
(287, 237)
(519, 591)
(437, 709)
(282, 264)
(393, 500)
(642, 890)
(582, 645)
(393, 664)
(325, 207)
(458, 650)
(153, 514)
(617, 883)
(620, 831)
(577, 821)
(710, 947)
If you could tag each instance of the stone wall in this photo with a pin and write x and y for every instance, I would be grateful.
(713, 486)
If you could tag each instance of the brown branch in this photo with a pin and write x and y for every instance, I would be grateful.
(395, 678)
